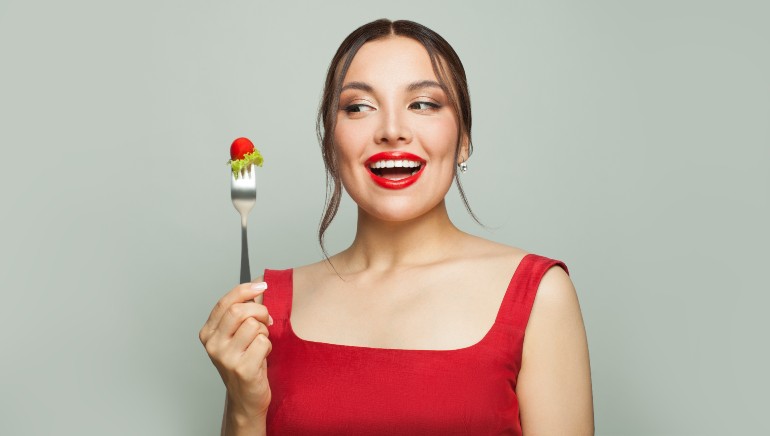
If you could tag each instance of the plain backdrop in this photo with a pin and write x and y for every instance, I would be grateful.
(630, 139)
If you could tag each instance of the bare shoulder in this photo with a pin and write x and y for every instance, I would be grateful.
(474, 248)
(556, 295)
(554, 385)
(313, 273)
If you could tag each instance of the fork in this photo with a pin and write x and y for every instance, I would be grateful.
(243, 191)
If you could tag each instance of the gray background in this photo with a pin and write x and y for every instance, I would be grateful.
(630, 139)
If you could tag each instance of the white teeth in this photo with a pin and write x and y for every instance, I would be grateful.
(395, 164)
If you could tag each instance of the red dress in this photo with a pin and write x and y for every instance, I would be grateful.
(327, 389)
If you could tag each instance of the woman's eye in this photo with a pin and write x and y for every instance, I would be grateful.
(354, 108)
(423, 105)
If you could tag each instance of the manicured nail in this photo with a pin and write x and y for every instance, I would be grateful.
(269, 320)
(261, 286)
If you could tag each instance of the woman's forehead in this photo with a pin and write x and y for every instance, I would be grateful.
(390, 61)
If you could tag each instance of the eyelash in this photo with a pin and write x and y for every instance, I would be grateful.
(356, 108)
(351, 108)
(431, 106)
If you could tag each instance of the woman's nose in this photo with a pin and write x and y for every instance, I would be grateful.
(393, 129)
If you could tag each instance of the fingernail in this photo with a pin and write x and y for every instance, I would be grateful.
(269, 320)
(261, 286)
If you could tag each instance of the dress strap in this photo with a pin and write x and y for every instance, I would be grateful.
(520, 295)
(278, 295)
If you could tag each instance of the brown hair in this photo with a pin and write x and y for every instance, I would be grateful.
(449, 72)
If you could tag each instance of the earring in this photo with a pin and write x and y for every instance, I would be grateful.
(463, 167)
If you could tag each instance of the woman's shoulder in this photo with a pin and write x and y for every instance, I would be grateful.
(477, 249)
(316, 272)
(484, 251)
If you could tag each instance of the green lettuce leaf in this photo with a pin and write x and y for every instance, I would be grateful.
(241, 165)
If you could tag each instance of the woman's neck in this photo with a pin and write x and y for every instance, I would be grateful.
(384, 245)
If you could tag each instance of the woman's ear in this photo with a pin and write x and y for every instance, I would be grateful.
(465, 149)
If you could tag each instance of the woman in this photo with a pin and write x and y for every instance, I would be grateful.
(417, 327)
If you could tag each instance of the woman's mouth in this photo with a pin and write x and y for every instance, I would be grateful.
(395, 170)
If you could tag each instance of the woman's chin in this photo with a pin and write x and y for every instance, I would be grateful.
(396, 211)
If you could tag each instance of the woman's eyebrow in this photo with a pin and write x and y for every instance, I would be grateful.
(358, 85)
(423, 84)
(414, 86)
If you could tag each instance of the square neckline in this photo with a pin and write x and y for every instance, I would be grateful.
(363, 348)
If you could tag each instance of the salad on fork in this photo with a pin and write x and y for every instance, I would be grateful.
(243, 155)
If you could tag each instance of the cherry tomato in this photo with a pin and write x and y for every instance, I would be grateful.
(240, 148)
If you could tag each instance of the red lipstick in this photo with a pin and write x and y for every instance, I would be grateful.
(394, 155)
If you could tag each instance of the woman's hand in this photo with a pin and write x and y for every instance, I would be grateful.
(236, 339)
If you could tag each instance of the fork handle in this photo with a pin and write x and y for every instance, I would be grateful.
(245, 272)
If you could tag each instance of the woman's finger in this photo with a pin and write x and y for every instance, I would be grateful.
(246, 333)
(258, 350)
(239, 294)
(237, 313)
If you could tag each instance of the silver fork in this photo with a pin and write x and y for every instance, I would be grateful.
(243, 191)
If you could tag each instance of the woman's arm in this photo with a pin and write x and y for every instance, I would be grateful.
(554, 384)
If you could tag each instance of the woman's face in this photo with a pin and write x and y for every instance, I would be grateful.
(396, 131)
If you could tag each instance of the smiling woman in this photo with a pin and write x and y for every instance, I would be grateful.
(417, 327)
(391, 105)
(447, 69)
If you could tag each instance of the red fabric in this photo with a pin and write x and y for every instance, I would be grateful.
(328, 389)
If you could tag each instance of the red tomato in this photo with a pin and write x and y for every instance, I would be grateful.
(241, 147)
